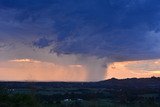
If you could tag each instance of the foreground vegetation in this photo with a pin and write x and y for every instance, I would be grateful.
(32, 100)
(111, 93)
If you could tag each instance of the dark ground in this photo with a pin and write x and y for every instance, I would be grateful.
(109, 93)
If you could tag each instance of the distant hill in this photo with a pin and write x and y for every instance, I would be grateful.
(132, 83)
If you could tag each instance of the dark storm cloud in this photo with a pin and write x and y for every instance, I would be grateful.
(103, 28)
(42, 42)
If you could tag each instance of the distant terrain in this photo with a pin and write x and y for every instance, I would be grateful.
(144, 92)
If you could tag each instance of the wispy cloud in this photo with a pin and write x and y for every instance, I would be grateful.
(25, 60)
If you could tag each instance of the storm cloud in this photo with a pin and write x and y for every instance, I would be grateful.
(105, 30)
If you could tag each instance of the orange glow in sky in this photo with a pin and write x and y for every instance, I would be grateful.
(134, 69)
(33, 70)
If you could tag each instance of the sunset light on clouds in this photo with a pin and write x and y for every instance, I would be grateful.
(33, 70)
(134, 69)
(79, 40)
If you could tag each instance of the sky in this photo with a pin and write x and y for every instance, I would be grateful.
(79, 40)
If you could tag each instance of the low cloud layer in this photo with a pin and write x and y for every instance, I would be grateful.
(148, 65)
